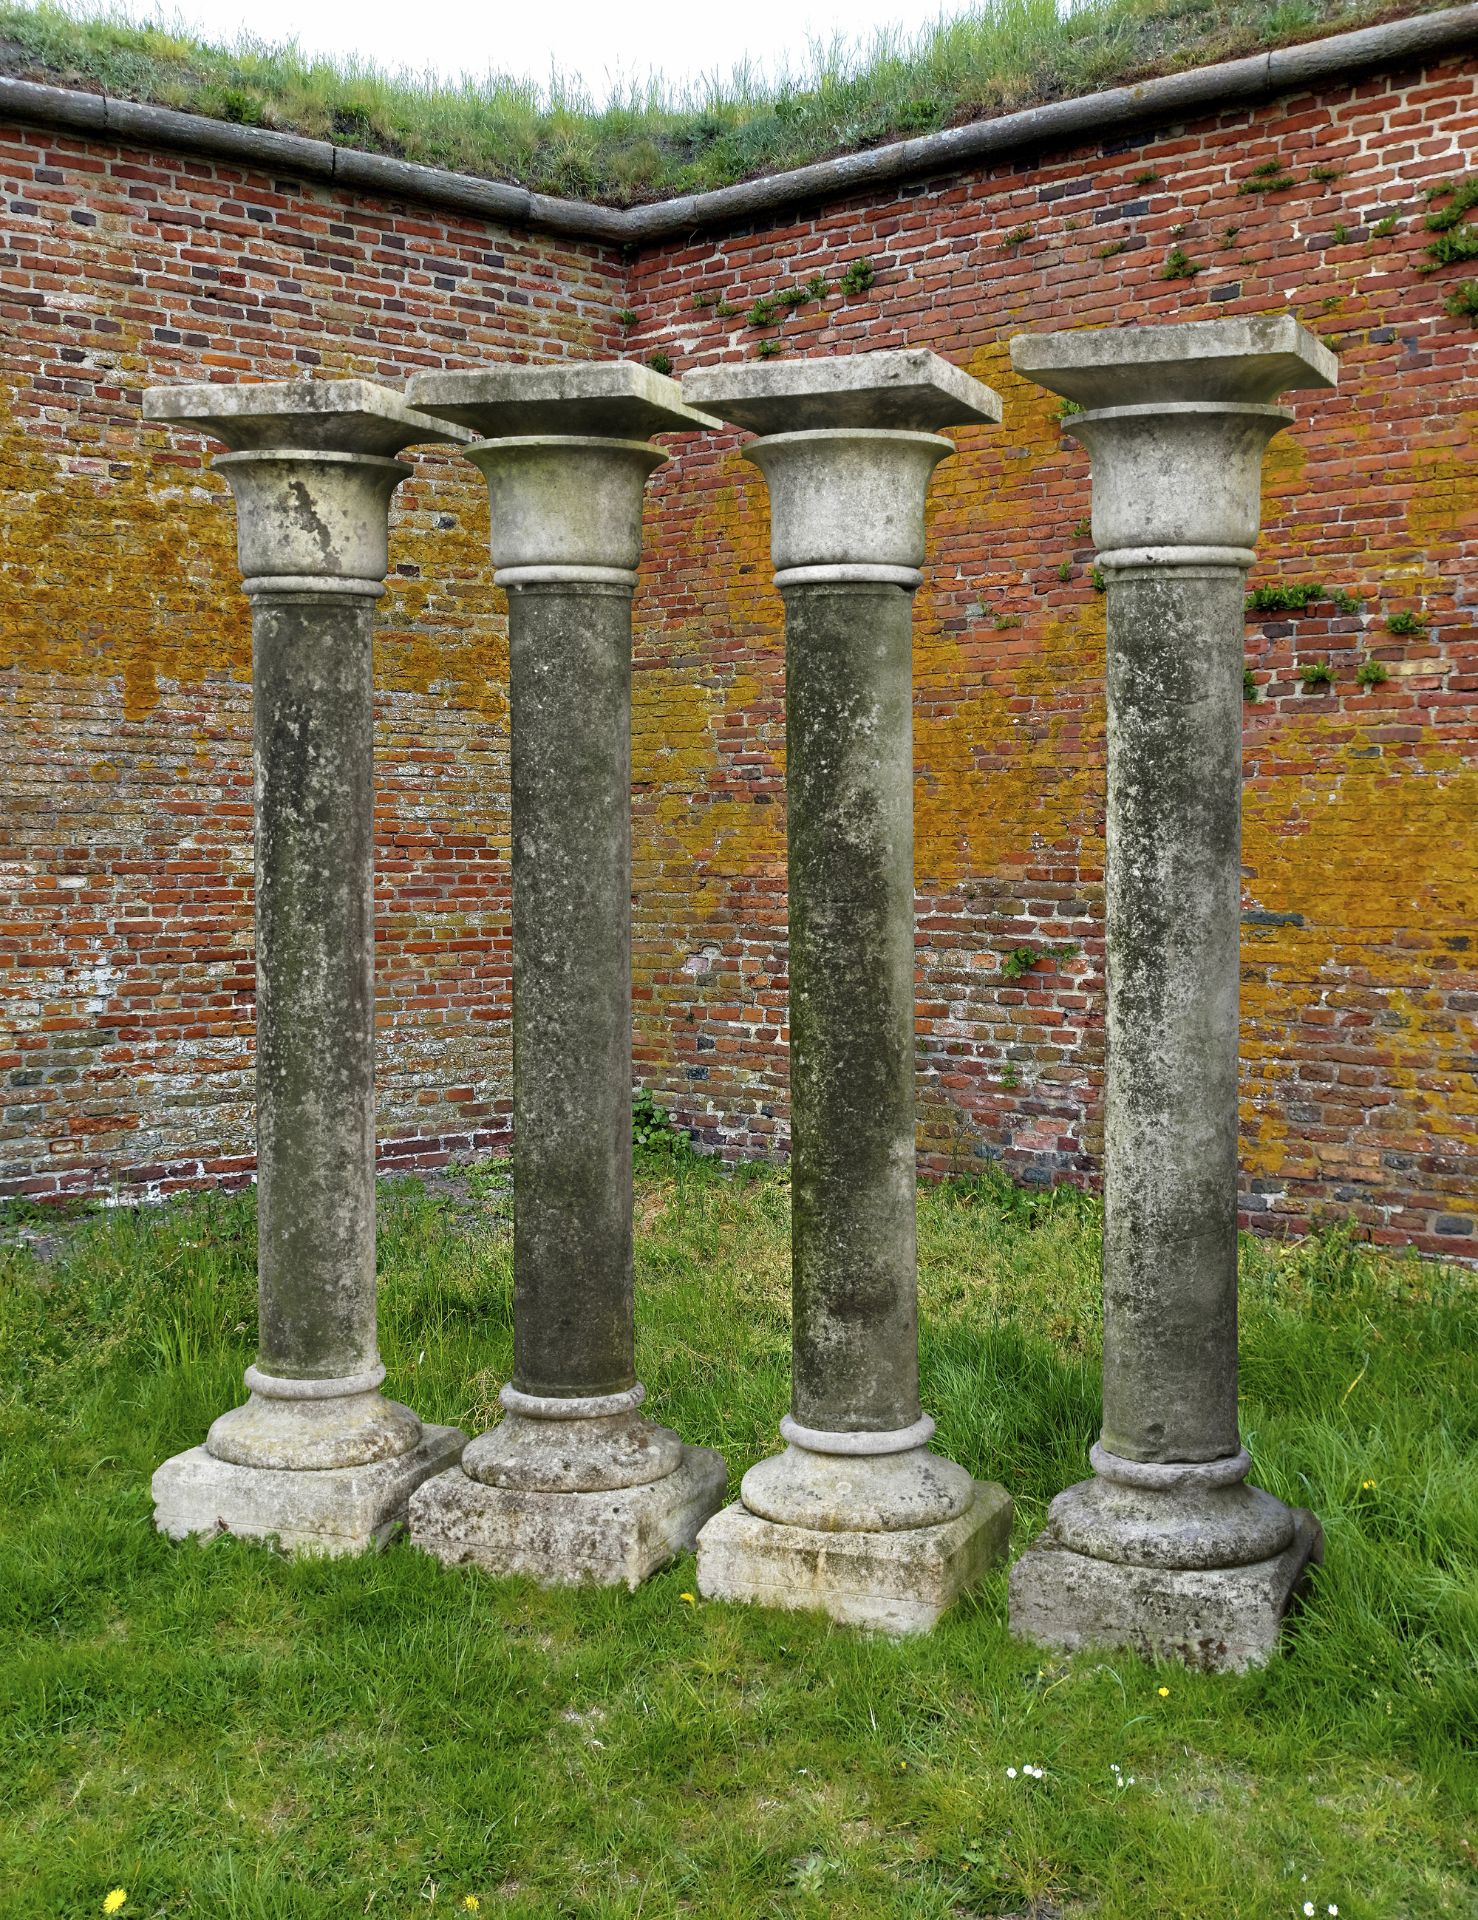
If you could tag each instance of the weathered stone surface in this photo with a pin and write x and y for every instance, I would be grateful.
(334, 1511)
(908, 388)
(575, 1484)
(1224, 1619)
(332, 416)
(1247, 360)
(895, 1582)
(312, 475)
(608, 1539)
(1177, 425)
(618, 398)
(847, 491)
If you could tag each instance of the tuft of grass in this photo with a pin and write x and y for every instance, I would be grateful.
(1249, 684)
(660, 362)
(1462, 302)
(226, 1733)
(1320, 674)
(651, 140)
(858, 277)
(1372, 673)
(1405, 623)
(1180, 266)
(1287, 597)
(1271, 177)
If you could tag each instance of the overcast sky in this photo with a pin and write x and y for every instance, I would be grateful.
(601, 41)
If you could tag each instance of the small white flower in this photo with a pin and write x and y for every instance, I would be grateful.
(1309, 1909)
(1010, 1773)
(1334, 1910)
(1114, 1766)
(1131, 1779)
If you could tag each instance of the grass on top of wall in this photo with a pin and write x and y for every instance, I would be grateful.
(655, 140)
(226, 1735)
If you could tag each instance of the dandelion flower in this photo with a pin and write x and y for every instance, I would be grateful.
(688, 1599)
(1367, 1486)
(1164, 1692)
(471, 1903)
(113, 1902)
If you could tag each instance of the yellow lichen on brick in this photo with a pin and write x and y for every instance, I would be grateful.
(443, 631)
(1442, 485)
(1374, 864)
(127, 574)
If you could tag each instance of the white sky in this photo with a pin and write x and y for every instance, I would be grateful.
(602, 44)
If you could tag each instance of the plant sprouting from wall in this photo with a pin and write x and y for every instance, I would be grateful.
(1292, 597)
(858, 278)
(1270, 177)
(1179, 265)
(1021, 960)
(1457, 238)
(1372, 673)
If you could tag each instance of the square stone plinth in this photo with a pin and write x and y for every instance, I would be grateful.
(1224, 1619)
(332, 1510)
(906, 388)
(898, 1582)
(569, 1539)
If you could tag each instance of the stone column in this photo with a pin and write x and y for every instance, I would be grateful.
(856, 1517)
(1167, 1550)
(575, 1484)
(317, 1457)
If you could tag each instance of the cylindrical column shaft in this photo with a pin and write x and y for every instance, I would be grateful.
(570, 677)
(1170, 1127)
(574, 1484)
(1168, 1549)
(317, 1456)
(849, 792)
(313, 726)
(857, 1516)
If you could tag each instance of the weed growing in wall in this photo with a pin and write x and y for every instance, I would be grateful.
(1021, 960)
(858, 278)
(1179, 265)
(1405, 623)
(1372, 673)
(1317, 676)
(1457, 238)
(1288, 598)
(1271, 177)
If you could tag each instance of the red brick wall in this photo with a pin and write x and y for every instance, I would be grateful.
(1360, 948)
(125, 962)
(126, 967)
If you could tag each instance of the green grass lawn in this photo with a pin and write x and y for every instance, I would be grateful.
(228, 1735)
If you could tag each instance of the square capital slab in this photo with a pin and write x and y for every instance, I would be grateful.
(617, 398)
(1247, 361)
(321, 416)
(909, 389)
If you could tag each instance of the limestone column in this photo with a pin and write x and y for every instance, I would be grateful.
(317, 1456)
(1167, 1549)
(575, 1484)
(856, 1517)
